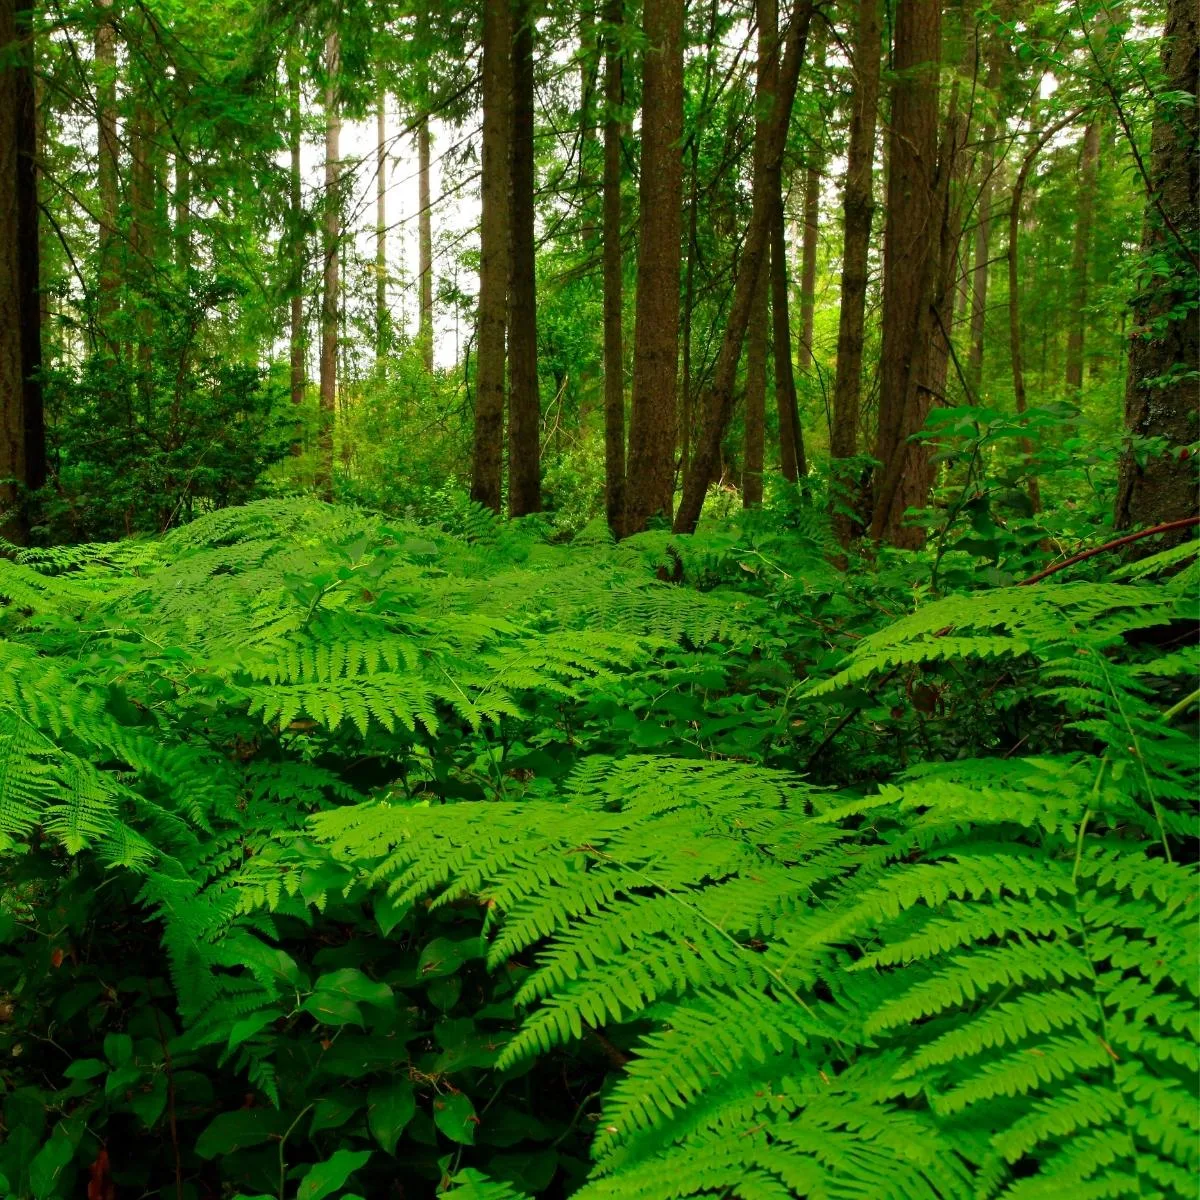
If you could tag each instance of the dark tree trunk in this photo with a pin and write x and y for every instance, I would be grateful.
(1164, 355)
(858, 207)
(22, 442)
(296, 249)
(792, 461)
(808, 263)
(909, 273)
(982, 246)
(1089, 162)
(767, 83)
(424, 243)
(650, 480)
(330, 299)
(718, 401)
(524, 402)
(107, 160)
(494, 234)
(614, 351)
(383, 320)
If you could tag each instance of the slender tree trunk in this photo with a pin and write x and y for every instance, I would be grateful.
(588, 148)
(650, 479)
(107, 159)
(982, 248)
(614, 350)
(767, 83)
(858, 207)
(719, 397)
(330, 298)
(425, 243)
(22, 444)
(383, 321)
(29, 265)
(1089, 161)
(1014, 292)
(143, 203)
(909, 273)
(808, 263)
(1164, 354)
(792, 461)
(524, 402)
(296, 248)
(495, 223)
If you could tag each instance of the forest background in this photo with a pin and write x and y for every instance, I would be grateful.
(599, 600)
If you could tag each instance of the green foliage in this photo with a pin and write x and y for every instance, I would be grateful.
(337, 845)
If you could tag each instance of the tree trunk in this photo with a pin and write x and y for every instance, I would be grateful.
(792, 461)
(718, 403)
(143, 204)
(614, 351)
(982, 247)
(107, 159)
(1164, 354)
(494, 233)
(588, 150)
(425, 244)
(858, 206)
(1089, 161)
(909, 273)
(330, 300)
(524, 402)
(766, 84)
(22, 444)
(808, 263)
(383, 322)
(296, 249)
(650, 479)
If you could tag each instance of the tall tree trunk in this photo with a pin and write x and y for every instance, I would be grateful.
(494, 233)
(858, 206)
(1089, 161)
(767, 82)
(383, 321)
(296, 248)
(1164, 354)
(22, 445)
(107, 159)
(718, 400)
(982, 248)
(524, 402)
(792, 461)
(614, 350)
(808, 263)
(330, 299)
(424, 243)
(650, 478)
(589, 65)
(909, 272)
(1014, 292)
(143, 203)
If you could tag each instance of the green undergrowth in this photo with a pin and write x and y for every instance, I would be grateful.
(352, 857)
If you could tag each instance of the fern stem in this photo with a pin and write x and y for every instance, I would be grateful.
(282, 1143)
(1176, 709)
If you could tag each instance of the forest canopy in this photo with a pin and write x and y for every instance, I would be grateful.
(599, 600)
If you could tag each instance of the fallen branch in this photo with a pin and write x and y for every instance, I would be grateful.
(1166, 527)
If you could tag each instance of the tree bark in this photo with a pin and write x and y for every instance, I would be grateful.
(296, 249)
(524, 402)
(29, 266)
(383, 321)
(614, 350)
(494, 233)
(858, 207)
(650, 477)
(1164, 354)
(909, 273)
(424, 244)
(982, 247)
(107, 159)
(1089, 161)
(330, 299)
(718, 400)
(808, 263)
(792, 461)
(767, 82)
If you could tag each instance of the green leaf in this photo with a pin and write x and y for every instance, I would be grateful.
(444, 956)
(118, 1048)
(333, 1010)
(389, 1109)
(85, 1068)
(351, 984)
(325, 1178)
(454, 1115)
(332, 1112)
(49, 1163)
(149, 1105)
(236, 1130)
(247, 1027)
